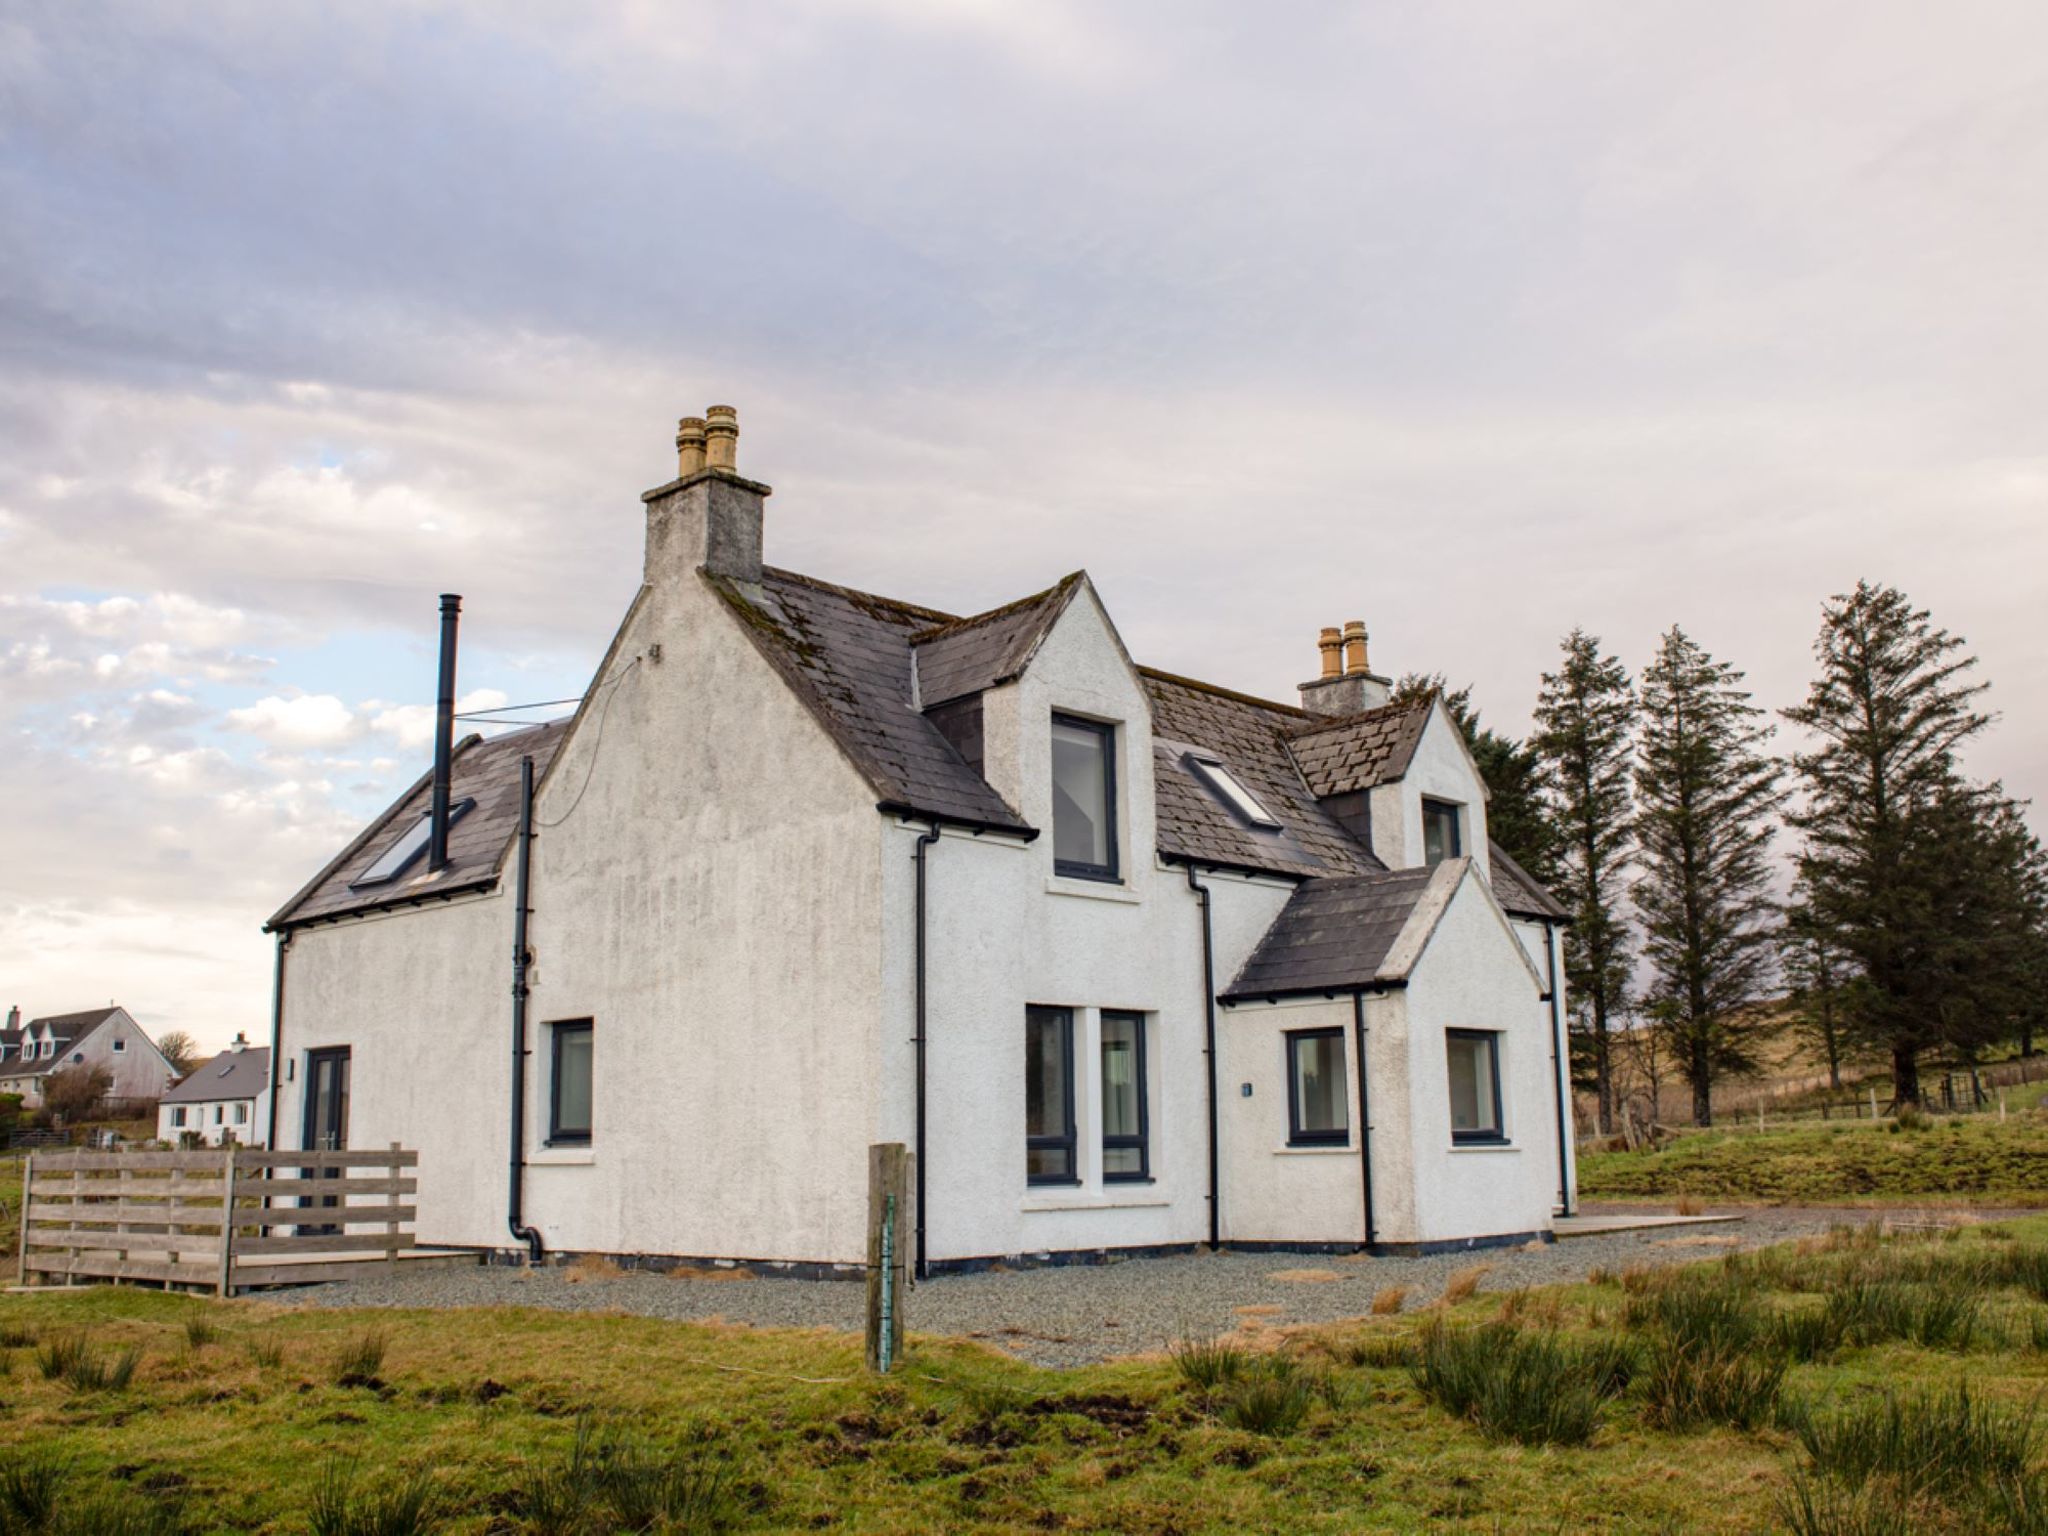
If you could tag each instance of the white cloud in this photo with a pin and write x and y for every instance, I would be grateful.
(411, 726)
(308, 720)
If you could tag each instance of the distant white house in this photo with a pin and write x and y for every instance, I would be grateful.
(225, 1099)
(96, 1037)
(1132, 962)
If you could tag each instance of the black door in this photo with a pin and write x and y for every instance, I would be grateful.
(326, 1127)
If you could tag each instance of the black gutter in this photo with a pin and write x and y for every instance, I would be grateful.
(965, 823)
(1372, 1231)
(444, 737)
(1209, 1054)
(516, 1172)
(1335, 989)
(1224, 867)
(284, 942)
(1559, 1070)
(925, 839)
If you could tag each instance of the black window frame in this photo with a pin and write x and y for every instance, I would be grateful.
(559, 1031)
(1070, 1142)
(1454, 812)
(1296, 1136)
(1075, 869)
(1498, 1136)
(1142, 1142)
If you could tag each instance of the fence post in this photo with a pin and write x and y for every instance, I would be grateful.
(227, 1226)
(28, 1184)
(1873, 1103)
(888, 1200)
(390, 1227)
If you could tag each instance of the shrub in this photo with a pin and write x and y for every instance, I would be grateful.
(358, 1363)
(1207, 1363)
(1518, 1385)
(1270, 1399)
(1938, 1442)
(407, 1505)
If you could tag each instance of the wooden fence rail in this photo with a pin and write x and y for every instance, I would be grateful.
(225, 1221)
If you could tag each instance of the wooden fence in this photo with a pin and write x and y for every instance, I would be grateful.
(222, 1220)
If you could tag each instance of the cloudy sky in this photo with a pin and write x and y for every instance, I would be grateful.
(1478, 321)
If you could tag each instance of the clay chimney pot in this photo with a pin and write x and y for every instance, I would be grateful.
(1331, 644)
(689, 446)
(1354, 647)
(721, 437)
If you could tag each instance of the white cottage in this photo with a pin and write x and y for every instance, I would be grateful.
(224, 1099)
(1134, 963)
(106, 1038)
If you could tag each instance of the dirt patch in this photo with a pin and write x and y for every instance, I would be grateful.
(700, 1272)
(1305, 1276)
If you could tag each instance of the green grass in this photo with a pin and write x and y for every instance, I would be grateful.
(520, 1421)
(1956, 1160)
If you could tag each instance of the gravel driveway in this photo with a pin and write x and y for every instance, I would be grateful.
(1084, 1313)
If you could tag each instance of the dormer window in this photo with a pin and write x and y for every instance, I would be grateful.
(1440, 839)
(400, 855)
(1083, 798)
(1225, 786)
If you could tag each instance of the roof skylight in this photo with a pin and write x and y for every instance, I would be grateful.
(400, 855)
(1224, 785)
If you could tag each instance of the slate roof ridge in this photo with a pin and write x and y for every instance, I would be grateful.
(936, 616)
(1064, 587)
(1175, 679)
(84, 1018)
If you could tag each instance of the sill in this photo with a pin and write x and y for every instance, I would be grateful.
(1090, 887)
(1114, 1198)
(562, 1156)
(1315, 1148)
(1489, 1144)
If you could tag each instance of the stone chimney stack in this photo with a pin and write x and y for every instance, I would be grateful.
(14, 1017)
(1348, 685)
(707, 518)
(239, 1043)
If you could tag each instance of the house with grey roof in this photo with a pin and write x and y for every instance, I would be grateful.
(220, 1101)
(108, 1038)
(1131, 962)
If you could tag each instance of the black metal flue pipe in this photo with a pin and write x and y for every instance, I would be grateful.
(444, 735)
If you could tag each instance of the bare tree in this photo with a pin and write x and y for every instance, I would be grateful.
(179, 1049)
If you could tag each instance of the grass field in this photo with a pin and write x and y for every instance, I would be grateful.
(1971, 1158)
(1612, 1406)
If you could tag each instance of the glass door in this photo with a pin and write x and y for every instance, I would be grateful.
(326, 1127)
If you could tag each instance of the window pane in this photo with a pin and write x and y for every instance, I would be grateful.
(1080, 795)
(1320, 1098)
(572, 1082)
(1472, 1066)
(1439, 831)
(1045, 1066)
(1123, 1160)
(1120, 1087)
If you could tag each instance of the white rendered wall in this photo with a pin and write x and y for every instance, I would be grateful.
(199, 1120)
(1473, 976)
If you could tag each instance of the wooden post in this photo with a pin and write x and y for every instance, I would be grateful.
(227, 1226)
(390, 1227)
(1873, 1103)
(888, 1210)
(28, 1184)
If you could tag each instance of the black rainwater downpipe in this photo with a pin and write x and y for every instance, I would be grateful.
(1372, 1231)
(284, 942)
(1209, 1051)
(925, 839)
(444, 735)
(515, 1216)
(1559, 1069)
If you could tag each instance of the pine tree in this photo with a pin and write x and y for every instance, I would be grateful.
(1886, 819)
(1813, 964)
(1516, 816)
(1584, 716)
(1706, 800)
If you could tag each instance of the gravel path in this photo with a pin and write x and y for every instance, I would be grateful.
(1085, 1313)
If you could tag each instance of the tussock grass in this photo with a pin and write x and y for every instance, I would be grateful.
(1271, 1398)
(1517, 1384)
(1207, 1364)
(74, 1360)
(41, 1495)
(614, 1482)
(1389, 1299)
(1943, 1441)
(200, 1332)
(1710, 1359)
(345, 1504)
(360, 1360)
(268, 1354)
(1463, 1282)
(17, 1336)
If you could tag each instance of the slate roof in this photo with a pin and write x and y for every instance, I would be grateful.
(68, 1028)
(1333, 935)
(1518, 891)
(966, 656)
(847, 656)
(231, 1075)
(486, 771)
(1359, 751)
(1249, 735)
